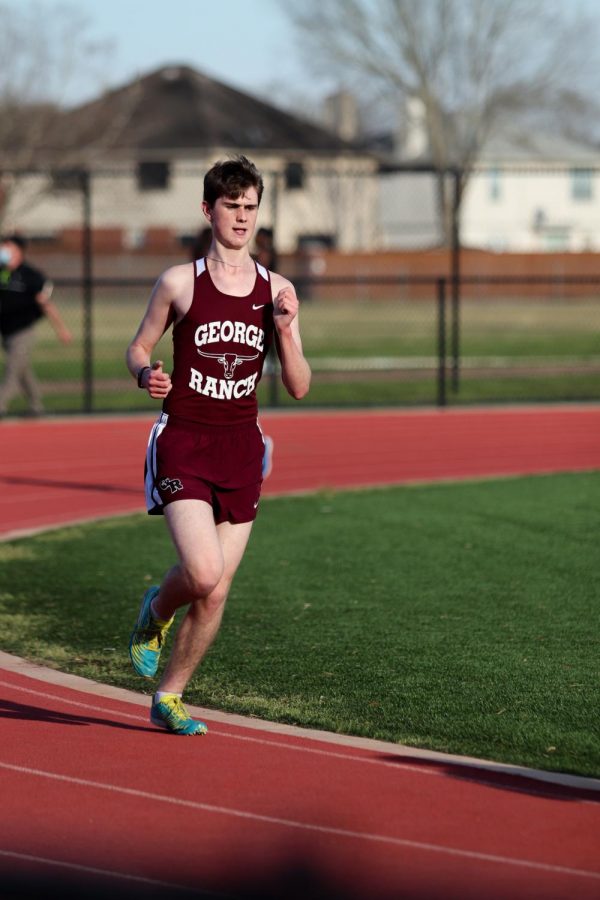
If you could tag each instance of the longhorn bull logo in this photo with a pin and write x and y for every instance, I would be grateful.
(229, 361)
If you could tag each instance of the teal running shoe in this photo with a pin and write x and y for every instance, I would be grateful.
(147, 637)
(170, 713)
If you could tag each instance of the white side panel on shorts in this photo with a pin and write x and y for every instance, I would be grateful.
(152, 496)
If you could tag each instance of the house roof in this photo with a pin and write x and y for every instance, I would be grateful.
(536, 146)
(516, 145)
(177, 109)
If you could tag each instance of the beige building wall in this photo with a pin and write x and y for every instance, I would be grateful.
(338, 199)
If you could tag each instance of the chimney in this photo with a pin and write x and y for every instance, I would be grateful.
(340, 115)
(416, 142)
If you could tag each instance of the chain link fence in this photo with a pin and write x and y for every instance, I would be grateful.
(534, 341)
(385, 321)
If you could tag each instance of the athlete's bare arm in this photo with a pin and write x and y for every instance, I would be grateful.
(295, 371)
(169, 302)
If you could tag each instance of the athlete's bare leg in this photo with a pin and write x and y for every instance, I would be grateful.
(209, 556)
(201, 563)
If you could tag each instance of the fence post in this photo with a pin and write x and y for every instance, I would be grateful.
(88, 290)
(455, 266)
(441, 310)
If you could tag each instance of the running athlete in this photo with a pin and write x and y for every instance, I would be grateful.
(203, 466)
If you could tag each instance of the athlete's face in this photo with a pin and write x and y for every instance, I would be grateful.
(233, 220)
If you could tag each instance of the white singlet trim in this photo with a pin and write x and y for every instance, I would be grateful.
(200, 266)
(262, 271)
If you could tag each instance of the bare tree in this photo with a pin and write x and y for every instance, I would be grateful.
(472, 66)
(46, 50)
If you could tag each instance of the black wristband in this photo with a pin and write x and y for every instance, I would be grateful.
(141, 375)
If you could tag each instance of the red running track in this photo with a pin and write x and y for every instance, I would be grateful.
(86, 783)
(55, 472)
(92, 793)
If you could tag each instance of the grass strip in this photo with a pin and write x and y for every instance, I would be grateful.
(458, 617)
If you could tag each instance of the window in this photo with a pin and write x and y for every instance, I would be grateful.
(495, 185)
(556, 239)
(308, 242)
(294, 176)
(582, 184)
(67, 180)
(153, 176)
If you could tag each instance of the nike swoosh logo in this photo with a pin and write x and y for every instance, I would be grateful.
(260, 306)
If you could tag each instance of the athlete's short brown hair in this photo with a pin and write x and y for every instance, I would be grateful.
(231, 178)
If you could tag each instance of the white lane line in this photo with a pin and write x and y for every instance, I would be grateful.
(108, 873)
(79, 703)
(398, 765)
(235, 737)
(305, 826)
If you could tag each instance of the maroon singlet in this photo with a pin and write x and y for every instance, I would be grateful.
(219, 348)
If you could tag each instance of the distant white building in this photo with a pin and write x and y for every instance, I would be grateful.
(409, 205)
(408, 216)
(529, 192)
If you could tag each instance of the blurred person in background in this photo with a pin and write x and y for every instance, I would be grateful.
(264, 249)
(24, 299)
(201, 244)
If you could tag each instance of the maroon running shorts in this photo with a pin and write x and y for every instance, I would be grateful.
(219, 464)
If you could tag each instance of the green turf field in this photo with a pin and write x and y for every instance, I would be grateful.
(529, 349)
(459, 617)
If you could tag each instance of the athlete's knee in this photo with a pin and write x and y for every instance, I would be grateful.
(212, 603)
(202, 579)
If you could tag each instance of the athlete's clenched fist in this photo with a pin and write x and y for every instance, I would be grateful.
(157, 383)
(285, 307)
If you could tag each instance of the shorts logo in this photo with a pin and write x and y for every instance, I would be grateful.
(170, 484)
(229, 361)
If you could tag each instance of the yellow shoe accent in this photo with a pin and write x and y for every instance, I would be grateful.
(170, 713)
(147, 637)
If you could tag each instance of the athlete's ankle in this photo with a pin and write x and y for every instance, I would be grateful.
(157, 613)
(160, 694)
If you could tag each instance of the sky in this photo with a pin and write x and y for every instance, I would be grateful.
(248, 44)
